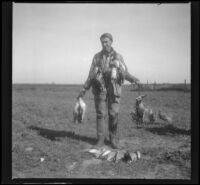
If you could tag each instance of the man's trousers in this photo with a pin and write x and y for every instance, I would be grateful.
(102, 105)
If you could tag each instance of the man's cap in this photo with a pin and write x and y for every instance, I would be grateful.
(108, 35)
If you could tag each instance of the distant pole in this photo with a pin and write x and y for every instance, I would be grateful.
(185, 86)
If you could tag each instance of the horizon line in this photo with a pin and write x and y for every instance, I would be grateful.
(23, 83)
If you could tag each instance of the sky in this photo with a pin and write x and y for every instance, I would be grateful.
(55, 43)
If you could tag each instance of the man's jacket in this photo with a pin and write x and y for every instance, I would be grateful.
(101, 81)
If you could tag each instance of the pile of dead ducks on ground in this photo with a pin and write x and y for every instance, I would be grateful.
(115, 155)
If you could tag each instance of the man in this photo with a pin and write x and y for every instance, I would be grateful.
(106, 90)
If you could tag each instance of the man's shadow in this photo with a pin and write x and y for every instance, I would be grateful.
(168, 129)
(54, 135)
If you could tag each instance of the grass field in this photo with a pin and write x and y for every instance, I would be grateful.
(47, 144)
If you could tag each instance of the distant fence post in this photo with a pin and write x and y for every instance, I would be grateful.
(185, 87)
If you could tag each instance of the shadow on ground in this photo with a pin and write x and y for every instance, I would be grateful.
(168, 129)
(147, 125)
(55, 135)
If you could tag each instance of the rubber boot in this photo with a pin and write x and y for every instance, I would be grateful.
(113, 131)
(100, 132)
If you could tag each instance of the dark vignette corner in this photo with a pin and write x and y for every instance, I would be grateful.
(6, 93)
(195, 91)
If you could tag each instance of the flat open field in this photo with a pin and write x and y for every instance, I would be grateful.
(47, 144)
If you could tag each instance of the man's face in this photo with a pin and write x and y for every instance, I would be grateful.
(106, 44)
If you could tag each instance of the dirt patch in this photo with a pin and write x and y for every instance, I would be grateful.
(86, 163)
